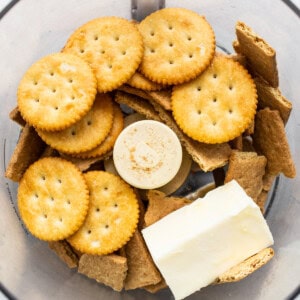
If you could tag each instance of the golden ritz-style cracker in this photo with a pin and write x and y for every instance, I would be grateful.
(166, 69)
(179, 45)
(112, 46)
(87, 133)
(53, 199)
(219, 104)
(108, 143)
(60, 86)
(112, 216)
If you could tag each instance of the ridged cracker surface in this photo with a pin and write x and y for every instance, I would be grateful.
(218, 105)
(87, 133)
(53, 199)
(60, 86)
(179, 44)
(108, 143)
(112, 217)
(112, 46)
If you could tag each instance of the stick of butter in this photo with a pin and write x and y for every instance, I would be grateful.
(195, 244)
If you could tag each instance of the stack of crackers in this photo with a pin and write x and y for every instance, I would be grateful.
(227, 111)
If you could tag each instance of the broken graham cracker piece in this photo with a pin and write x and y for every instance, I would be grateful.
(141, 268)
(247, 168)
(162, 97)
(270, 140)
(237, 143)
(138, 104)
(134, 91)
(268, 181)
(261, 57)
(271, 97)
(207, 156)
(83, 164)
(160, 205)
(154, 288)
(246, 267)
(16, 116)
(261, 200)
(110, 269)
(65, 253)
(28, 150)
(240, 58)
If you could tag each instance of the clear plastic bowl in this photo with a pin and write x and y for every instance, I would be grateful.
(31, 29)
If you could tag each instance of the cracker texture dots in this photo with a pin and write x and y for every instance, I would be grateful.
(179, 45)
(219, 104)
(113, 47)
(112, 217)
(60, 86)
(53, 199)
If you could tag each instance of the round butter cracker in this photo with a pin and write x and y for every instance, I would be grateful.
(53, 199)
(112, 46)
(112, 217)
(218, 105)
(87, 133)
(56, 91)
(139, 81)
(108, 143)
(179, 45)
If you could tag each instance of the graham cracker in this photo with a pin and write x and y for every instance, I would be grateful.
(83, 164)
(247, 144)
(261, 200)
(16, 116)
(237, 48)
(237, 143)
(271, 97)
(109, 269)
(246, 267)
(268, 181)
(207, 156)
(138, 104)
(154, 288)
(49, 152)
(261, 57)
(141, 268)
(65, 253)
(29, 148)
(160, 205)
(247, 168)
(240, 58)
(134, 91)
(270, 140)
(162, 97)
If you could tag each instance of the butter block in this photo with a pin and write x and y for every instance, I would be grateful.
(195, 244)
